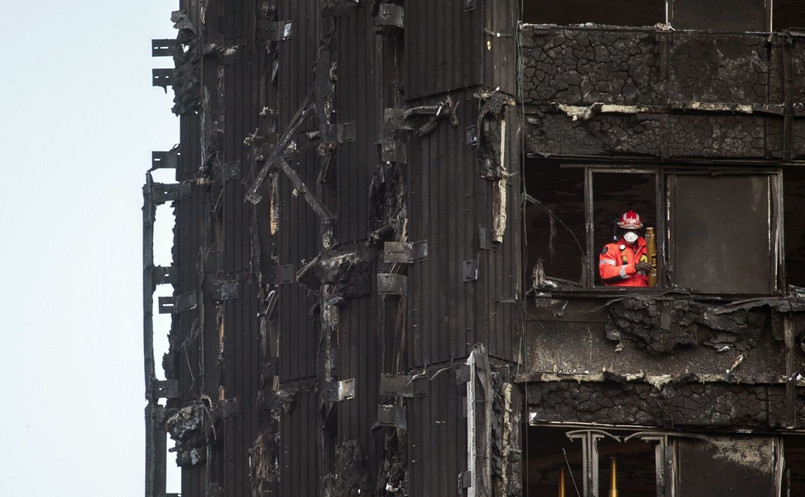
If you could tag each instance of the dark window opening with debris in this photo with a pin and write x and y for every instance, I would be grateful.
(740, 466)
(574, 462)
(611, 12)
(794, 471)
(709, 231)
(794, 200)
(788, 14)
(719, 15)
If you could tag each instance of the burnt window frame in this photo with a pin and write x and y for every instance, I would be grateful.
(775, 224)
(590, 281)
(770, 24)
(669, 448)
(590, 269)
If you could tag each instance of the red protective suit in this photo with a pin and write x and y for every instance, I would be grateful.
(617, 260)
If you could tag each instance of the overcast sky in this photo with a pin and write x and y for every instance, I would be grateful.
(78, 122)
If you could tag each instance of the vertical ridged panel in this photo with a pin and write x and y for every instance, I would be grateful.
(446, 200)
(437, 437)
(443, 47)
(355, 96)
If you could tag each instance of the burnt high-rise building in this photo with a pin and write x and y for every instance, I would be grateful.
(388, 222)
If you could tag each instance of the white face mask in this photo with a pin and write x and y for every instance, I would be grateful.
(630, 237)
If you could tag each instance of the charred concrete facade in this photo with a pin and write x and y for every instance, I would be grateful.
(388, 216)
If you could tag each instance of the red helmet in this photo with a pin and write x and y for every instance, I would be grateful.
(630, 220)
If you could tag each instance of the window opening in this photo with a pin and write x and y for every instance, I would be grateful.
(719, 15)
(794, 470)
(723, 232)
(752, 474)
(717, 231)
(788, 14)
(555, 221)
(583, 462)
(609, 12)
(794, 201)
(615, 192)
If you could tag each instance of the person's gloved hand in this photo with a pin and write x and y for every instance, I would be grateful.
(643, 266)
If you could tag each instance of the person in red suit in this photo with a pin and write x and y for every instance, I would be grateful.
(624, 262)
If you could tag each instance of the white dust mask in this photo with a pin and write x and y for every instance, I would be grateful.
(630, 237)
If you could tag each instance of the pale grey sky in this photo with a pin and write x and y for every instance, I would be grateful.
(78, 121)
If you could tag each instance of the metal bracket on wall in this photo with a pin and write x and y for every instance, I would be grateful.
(165, 160)
(471, 134)
(164, 192)
(282, 275)
(392, 284)
(163, 47)
(230, 170)
(403, 386)
(463, 373)
(390, 18)
(470, 270)
(161, 275)
(162, 78)
(346, 133)
(392, 151)
(466, 479)
(339, 391)
(395, 118)
(226, 290)
(405, 252)
(278, 30)
(339, 9)
(485, 239)
(168, 389)
(392, 416)
(180, 303)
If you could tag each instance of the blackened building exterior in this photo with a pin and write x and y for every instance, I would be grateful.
(388, 219)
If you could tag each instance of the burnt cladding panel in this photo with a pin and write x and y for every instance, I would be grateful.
(497, 41)
(193, 480)
(241, 109)
(503, 276)
(191, 216)
(298, 232)
(237, 236)
(298, 458)
(241, 381)
(189, 147)
(446, 199)
(360, 358)
(583, 66)
(437, 437)
(355, 106)
(718, 67)
(443, 46)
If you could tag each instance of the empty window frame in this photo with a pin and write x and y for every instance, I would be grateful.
(738, 466)
(713, 15)
(717, 232)
(788, 14)
(719, 15)
(608, 12)
(724, 232)
(593, 462)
